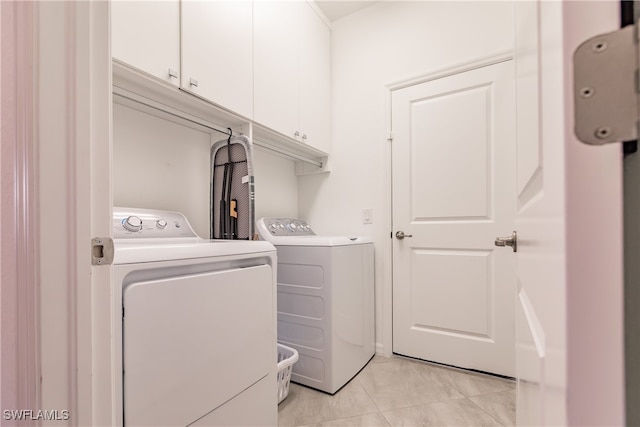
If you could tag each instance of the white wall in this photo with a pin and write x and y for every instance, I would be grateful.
(380, 45)
(159, 164)
(276, 185)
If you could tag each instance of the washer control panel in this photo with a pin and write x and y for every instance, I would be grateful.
(149, 223)
(284, 227)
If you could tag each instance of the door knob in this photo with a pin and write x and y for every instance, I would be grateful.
(508, 241)
(400, 235)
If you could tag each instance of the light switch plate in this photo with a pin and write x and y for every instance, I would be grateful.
(367, 216)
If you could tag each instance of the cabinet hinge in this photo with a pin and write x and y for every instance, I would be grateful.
(101, 251)
(606, 87)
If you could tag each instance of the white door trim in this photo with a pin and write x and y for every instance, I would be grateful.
(19, 296)
(385, 347)
(483, 61)
(595, 270)
(74, 107)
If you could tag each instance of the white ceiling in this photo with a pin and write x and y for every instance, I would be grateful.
(336, 9)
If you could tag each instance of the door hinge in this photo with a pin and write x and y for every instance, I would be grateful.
(605, 87)
(101, 251)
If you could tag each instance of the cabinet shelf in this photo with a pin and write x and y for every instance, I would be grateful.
(142, 91)
(309, 160)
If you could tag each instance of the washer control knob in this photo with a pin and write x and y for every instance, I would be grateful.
(132, 223)
(161, 224)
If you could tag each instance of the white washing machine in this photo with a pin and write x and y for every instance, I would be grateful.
(195, 326)
(325, 301)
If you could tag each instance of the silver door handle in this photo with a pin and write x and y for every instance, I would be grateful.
(508, 241)
(400, 235)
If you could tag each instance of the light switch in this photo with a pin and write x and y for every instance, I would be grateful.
(367, 216)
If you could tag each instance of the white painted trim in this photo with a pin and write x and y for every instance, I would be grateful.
(483, 61)
(387, 249)
(98, 309)
(74, 100)
(386, 346)
(19, 332)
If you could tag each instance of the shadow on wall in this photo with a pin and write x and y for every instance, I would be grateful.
(309, 188)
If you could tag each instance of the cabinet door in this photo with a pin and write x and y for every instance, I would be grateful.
(146, 35)
(315, 86)
(217, 43)
(276, 65)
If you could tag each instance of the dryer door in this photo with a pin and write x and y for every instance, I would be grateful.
(191, 343)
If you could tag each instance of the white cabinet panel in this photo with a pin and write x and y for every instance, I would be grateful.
(217, 50)
(193, 342)
(315, 83)
(276, 65)
(292, 74)
(146, 34)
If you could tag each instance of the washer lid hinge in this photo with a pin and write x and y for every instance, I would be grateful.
(102, 251)
(605, 91)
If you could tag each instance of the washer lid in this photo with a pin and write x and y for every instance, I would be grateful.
(133, 251)
(319, 240)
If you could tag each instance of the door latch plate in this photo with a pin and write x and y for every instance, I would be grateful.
(102, 251)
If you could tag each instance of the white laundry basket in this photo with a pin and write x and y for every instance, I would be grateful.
(287, 356)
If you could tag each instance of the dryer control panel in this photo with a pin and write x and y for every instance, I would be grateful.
(284, 227)
(149, 223)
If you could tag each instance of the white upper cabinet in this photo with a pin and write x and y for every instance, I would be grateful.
(146, 35)
(217, 53)
(276, 65)
(291, 74)
(266, 61)
(315, 81)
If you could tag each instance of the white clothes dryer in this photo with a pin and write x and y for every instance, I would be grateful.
(194, 325)
(325, 301)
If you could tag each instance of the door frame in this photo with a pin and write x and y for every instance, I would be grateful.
(67, 110)
(386, 346)
(594, 281)
(19, 296)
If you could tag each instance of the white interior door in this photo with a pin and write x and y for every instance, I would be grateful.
(453, 193)
(540, 225)
(569, 304)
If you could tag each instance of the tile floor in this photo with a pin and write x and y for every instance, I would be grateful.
(403, 392)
